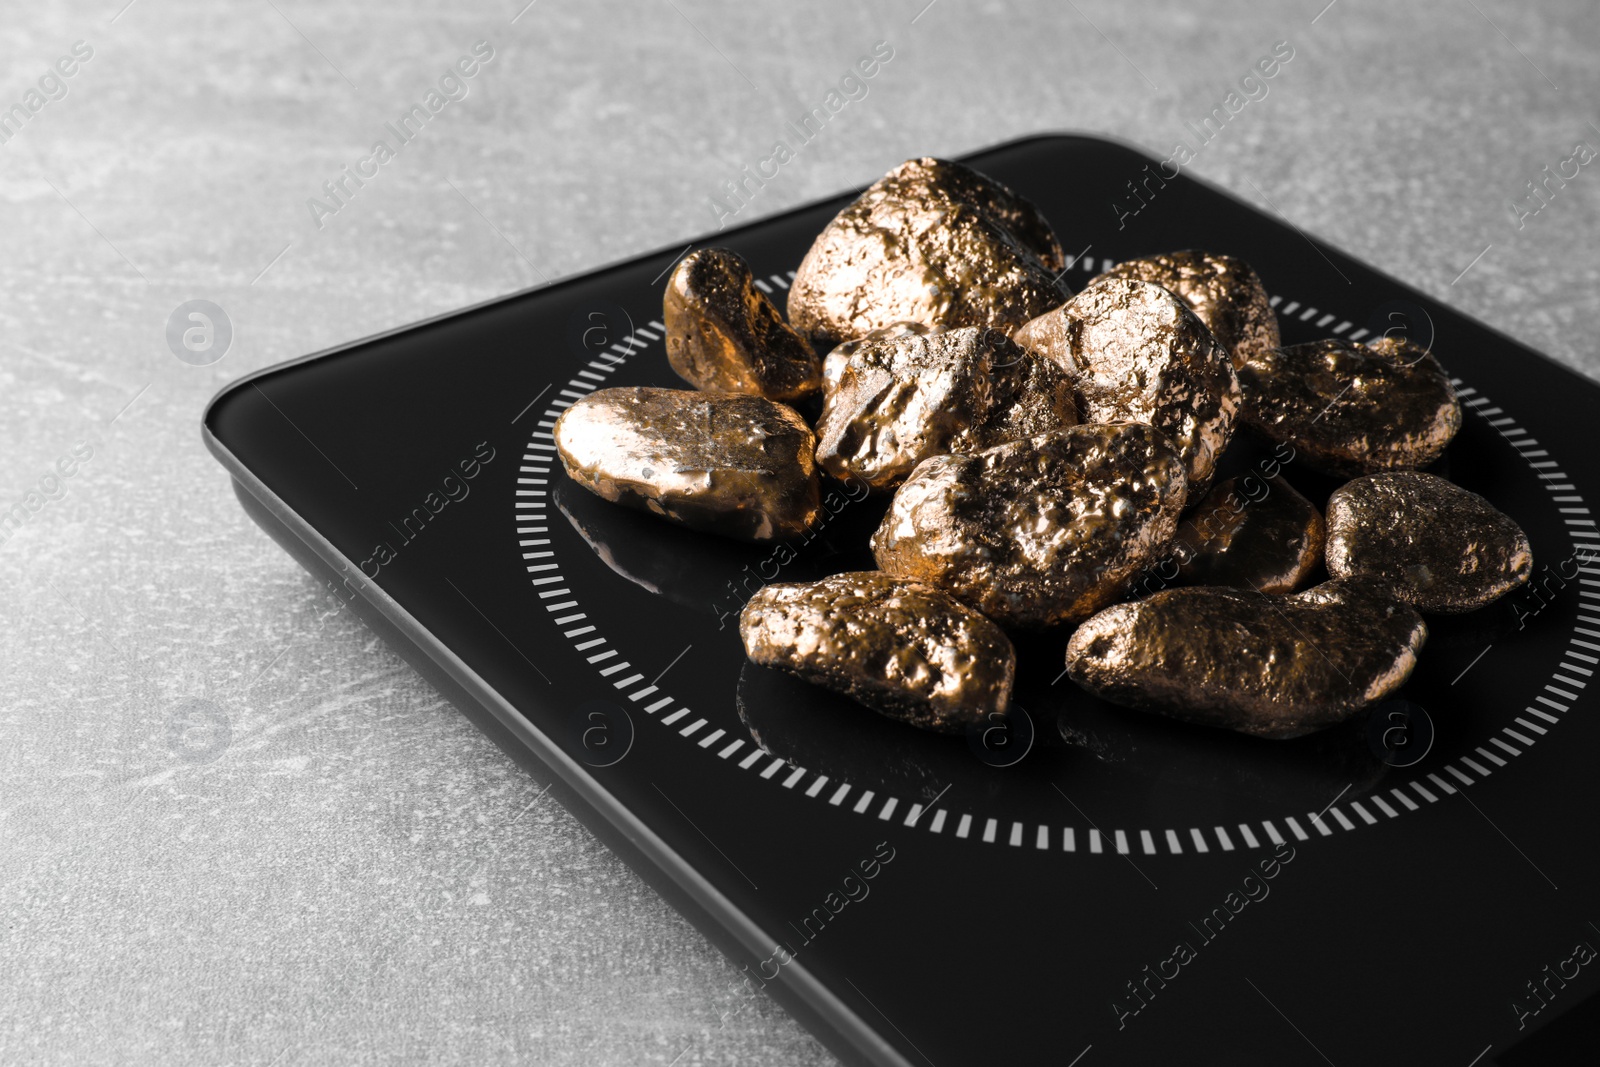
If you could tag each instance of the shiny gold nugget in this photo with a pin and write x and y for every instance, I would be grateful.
(900, 399)
(1251, 533)
(1138, 354)
(1350, 409)
(732, 464)
(724, 335)
(1429, 542)
(834, 362)
(1272, 666)
(1223, 291)
(930, 242)
(901, 648)
(1040, 531)
(1018, 215)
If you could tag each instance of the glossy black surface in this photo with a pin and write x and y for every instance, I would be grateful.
(1406, 940)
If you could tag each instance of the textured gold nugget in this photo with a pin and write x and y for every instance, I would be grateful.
(901, 648)
(723, 334)
(930, 242)
(1272, 666)
(1223, 291)
(1351, 409)
(732, 464)
(1040, 531)
(1251, 533)
(900, 399)
(1138, 354)
(1429, 542)
(834, 363)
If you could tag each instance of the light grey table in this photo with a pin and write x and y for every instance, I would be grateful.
(233, 828)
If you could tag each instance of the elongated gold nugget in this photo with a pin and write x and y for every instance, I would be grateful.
(724, 335)
(1429, 542)
(1272, 666)
(904, 649)
(1040, 531)
(725, 462)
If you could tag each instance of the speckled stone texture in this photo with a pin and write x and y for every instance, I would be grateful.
(357, 876)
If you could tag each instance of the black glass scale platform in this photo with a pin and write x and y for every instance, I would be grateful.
(1098, 887)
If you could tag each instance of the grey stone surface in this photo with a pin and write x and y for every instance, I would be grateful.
(323, 863)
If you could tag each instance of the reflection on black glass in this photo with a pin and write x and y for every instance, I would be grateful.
(833, 735)
(1303, 772)
(689, 568)
(713, 574)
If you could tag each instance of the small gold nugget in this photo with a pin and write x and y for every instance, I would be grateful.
(901, 648)
(1138, 354)
(1350, 409)
(1040, 531)
(1429, 542)
(1272, 666)
(724, 462)
(1250, 533)
(1223, 291)
(903, 398)
(724, 335)
(931, 242)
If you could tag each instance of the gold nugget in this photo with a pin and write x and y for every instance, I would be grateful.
(1223, 291)
(1138, 354)
(1272, 666)
(729, 463)
(833, 363)
(901, 648)
(1251, 532)
(1040, 531)
(724, 335)
(1428, 542)
(903, 398)
(1350, 409)
(931, 242)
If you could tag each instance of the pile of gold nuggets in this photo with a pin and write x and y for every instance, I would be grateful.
(1043, 451)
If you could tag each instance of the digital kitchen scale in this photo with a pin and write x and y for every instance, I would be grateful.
(1081, 884)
